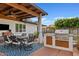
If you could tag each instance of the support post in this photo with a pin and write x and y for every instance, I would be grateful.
(71, 42)
(53, 36)
(40, 28)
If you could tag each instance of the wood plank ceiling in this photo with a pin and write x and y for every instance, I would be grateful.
(15, 11)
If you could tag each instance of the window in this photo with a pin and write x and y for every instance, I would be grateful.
(4, 27)
(17, 27)
(24, 28)
(20, 27)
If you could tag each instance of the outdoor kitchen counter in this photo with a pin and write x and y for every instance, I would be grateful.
(61, 40)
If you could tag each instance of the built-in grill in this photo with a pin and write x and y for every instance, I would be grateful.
(61, 39)
(62, 35)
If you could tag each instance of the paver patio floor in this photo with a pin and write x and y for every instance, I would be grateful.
(75, 52)
(2, 54)
(51, 52)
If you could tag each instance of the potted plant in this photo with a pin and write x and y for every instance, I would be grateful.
(36, 34)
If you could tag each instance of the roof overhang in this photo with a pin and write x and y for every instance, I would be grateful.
(19, 11)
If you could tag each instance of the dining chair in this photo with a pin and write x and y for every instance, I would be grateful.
(15, 42)
(7, 41)
(29, 42)
(24, 34)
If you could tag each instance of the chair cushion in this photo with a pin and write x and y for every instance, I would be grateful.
(30, 43)
(17, 43)
(8, 41)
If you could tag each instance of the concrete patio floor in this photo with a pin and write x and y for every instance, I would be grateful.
(51, 52)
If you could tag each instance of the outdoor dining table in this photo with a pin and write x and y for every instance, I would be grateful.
(22, 39)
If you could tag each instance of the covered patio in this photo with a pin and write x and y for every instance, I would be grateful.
(20, 11)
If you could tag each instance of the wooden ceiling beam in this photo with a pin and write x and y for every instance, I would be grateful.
(23, 8)
(3, 5)
(18, 12)
(37, 11)
(11, 9)
(5, 17)
(22, 15)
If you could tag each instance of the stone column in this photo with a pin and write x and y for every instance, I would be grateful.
(53, 36)
(40, 28)
(71, 42)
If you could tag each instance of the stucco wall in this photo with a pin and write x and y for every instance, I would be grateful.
(30, 28)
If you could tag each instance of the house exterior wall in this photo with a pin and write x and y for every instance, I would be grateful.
(30, 28)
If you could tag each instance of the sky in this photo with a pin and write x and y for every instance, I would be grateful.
(58, 10)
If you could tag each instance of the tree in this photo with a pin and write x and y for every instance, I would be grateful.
(67, 23)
